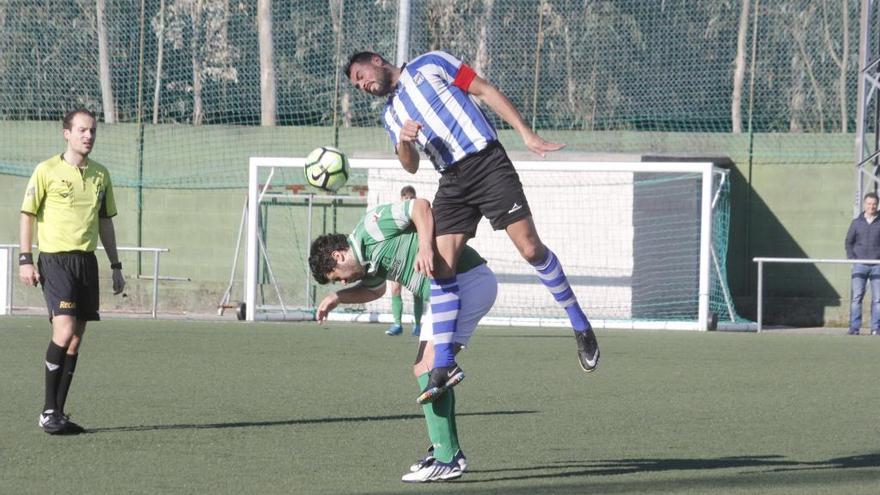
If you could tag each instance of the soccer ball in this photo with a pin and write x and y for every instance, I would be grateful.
(327, 168)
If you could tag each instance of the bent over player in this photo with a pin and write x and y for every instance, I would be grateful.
(71, 198)
(394, 242)
(431, 105)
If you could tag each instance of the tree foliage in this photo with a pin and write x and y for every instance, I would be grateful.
(566, 64)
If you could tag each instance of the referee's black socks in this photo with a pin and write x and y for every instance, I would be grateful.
(66, 377)
(54, 363)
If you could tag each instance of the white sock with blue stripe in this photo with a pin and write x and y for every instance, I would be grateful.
(445, 304)
(553, 277)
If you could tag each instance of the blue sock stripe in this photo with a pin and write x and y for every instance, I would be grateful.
(445, 304)
(443, 355)
(440, 292)
(548, 258)
(455, 305)
(561, 279)
(562, 296)
(443, 338)
(552, 264)
(452, 286)
(553, 277)
(558, 289)
(551, 273)
(441, 327)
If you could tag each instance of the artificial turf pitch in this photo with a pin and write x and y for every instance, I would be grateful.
(227, 407)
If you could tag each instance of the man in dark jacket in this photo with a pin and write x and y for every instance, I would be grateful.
(863, 243)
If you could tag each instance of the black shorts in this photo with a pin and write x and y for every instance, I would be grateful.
(484, 184)
(70, 284)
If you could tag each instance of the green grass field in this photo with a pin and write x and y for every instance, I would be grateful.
(197, 407)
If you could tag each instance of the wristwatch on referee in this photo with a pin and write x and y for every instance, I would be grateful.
(116, 266)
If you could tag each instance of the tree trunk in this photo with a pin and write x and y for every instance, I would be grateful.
(481, 61)
(268, 106)
(104, 66)
(844, 67)
(842, 61)
(570, 81)
(160, 41)
(195, 49)
(797, 96)
(799, 33)
(739, 70)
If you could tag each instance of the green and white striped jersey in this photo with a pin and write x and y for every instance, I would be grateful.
(385, 242)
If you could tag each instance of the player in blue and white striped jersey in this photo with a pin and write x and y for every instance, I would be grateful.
(432, 105)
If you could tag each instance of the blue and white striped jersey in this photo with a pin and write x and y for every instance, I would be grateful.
(432, 90)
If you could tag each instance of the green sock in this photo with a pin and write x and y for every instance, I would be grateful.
(396, 308)
(418, 308)
(453, 425)
(440, 416)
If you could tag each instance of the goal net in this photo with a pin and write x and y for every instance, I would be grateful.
(643, 244)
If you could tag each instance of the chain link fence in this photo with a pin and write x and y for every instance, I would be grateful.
(182, 77)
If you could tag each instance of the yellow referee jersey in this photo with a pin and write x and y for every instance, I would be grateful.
(67, 204)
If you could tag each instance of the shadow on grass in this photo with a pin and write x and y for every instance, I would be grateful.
(748, 474)
(289, 422)
(760, 472)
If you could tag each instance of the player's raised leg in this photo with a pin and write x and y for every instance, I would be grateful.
(445, 304)
(525, 236)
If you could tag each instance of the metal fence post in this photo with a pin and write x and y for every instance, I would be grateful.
(760, 292)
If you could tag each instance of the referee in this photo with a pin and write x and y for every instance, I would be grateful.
(71, 198)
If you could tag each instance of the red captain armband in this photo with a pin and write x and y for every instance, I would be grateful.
(464, 77)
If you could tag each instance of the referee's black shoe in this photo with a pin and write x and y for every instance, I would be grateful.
(71, 428)
(588, 349)
(52, 422)
(57, 423)
(440, 380)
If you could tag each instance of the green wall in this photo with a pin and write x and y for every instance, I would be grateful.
(792, 198)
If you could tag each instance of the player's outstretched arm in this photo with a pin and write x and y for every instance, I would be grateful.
(499, 104)
(350, 295)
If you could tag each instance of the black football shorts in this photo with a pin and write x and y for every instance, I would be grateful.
(70, 284)
(484, 184)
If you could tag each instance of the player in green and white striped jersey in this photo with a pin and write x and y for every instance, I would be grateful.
(395, 242)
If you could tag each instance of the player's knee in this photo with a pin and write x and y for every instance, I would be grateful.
(75, 342)
(63, 330)
(533, 252)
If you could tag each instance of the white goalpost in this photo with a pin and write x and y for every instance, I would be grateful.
(643, 243)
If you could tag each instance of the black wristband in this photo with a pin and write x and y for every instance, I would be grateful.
(25, 259)
(116, 266)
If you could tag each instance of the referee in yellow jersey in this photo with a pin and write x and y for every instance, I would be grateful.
(71, 198)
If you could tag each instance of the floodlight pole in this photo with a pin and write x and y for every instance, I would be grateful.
(867, 139)
(403, 22)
